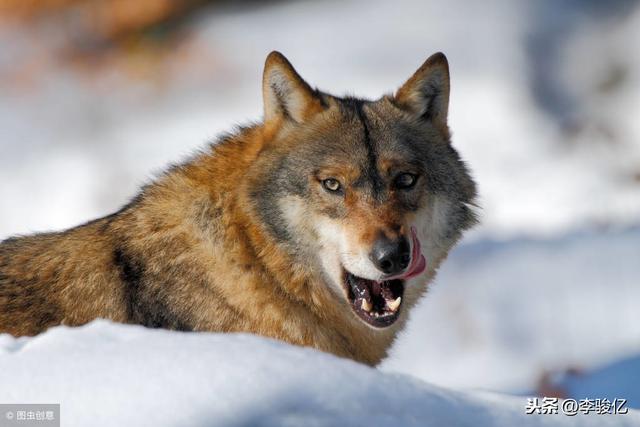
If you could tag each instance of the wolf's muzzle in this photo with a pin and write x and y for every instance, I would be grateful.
(391, 256)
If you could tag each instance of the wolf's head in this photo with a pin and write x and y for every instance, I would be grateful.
(370, 195)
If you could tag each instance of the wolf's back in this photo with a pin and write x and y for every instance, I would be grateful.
(53, 278)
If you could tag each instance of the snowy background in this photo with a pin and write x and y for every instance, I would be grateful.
(544, 296)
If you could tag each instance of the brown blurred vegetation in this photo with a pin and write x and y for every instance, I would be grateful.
(141, 39)
(105, 22)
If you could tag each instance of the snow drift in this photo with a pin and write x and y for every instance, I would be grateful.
(106, 374)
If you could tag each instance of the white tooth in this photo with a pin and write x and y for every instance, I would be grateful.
(393, 305)
(366, 305)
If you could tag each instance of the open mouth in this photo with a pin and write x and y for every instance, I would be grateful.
(377, 303)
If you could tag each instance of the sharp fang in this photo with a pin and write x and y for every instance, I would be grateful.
(366, 305)
(393, 305)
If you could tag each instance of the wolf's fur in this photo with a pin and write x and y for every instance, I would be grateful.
(244, 238)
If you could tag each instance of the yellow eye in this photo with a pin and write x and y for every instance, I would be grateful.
(331, 184)
(406, 180)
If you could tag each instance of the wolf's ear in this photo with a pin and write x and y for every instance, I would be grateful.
(285, 94)
(426, 93)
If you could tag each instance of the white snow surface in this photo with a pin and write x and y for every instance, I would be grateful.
(500, 314)
(106, 374)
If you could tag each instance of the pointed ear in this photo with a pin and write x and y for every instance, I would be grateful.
(426, 93)
(285, 94)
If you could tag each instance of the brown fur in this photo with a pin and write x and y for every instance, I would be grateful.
(192, 251)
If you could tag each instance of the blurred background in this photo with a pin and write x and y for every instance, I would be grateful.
(544, 296)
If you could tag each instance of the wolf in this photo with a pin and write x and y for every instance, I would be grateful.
(320, 226)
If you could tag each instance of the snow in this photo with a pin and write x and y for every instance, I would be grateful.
(611, 381)
(502, 313)
(548, 282)
(105, 374)
(95, 142)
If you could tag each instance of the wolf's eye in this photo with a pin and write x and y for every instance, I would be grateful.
(406, 180)
(331, 184)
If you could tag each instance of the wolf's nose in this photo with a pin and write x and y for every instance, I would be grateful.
(391, 256)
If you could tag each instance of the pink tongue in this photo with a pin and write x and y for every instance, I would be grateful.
(418, 261)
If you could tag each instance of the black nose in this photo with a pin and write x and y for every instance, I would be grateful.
(391, 256)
